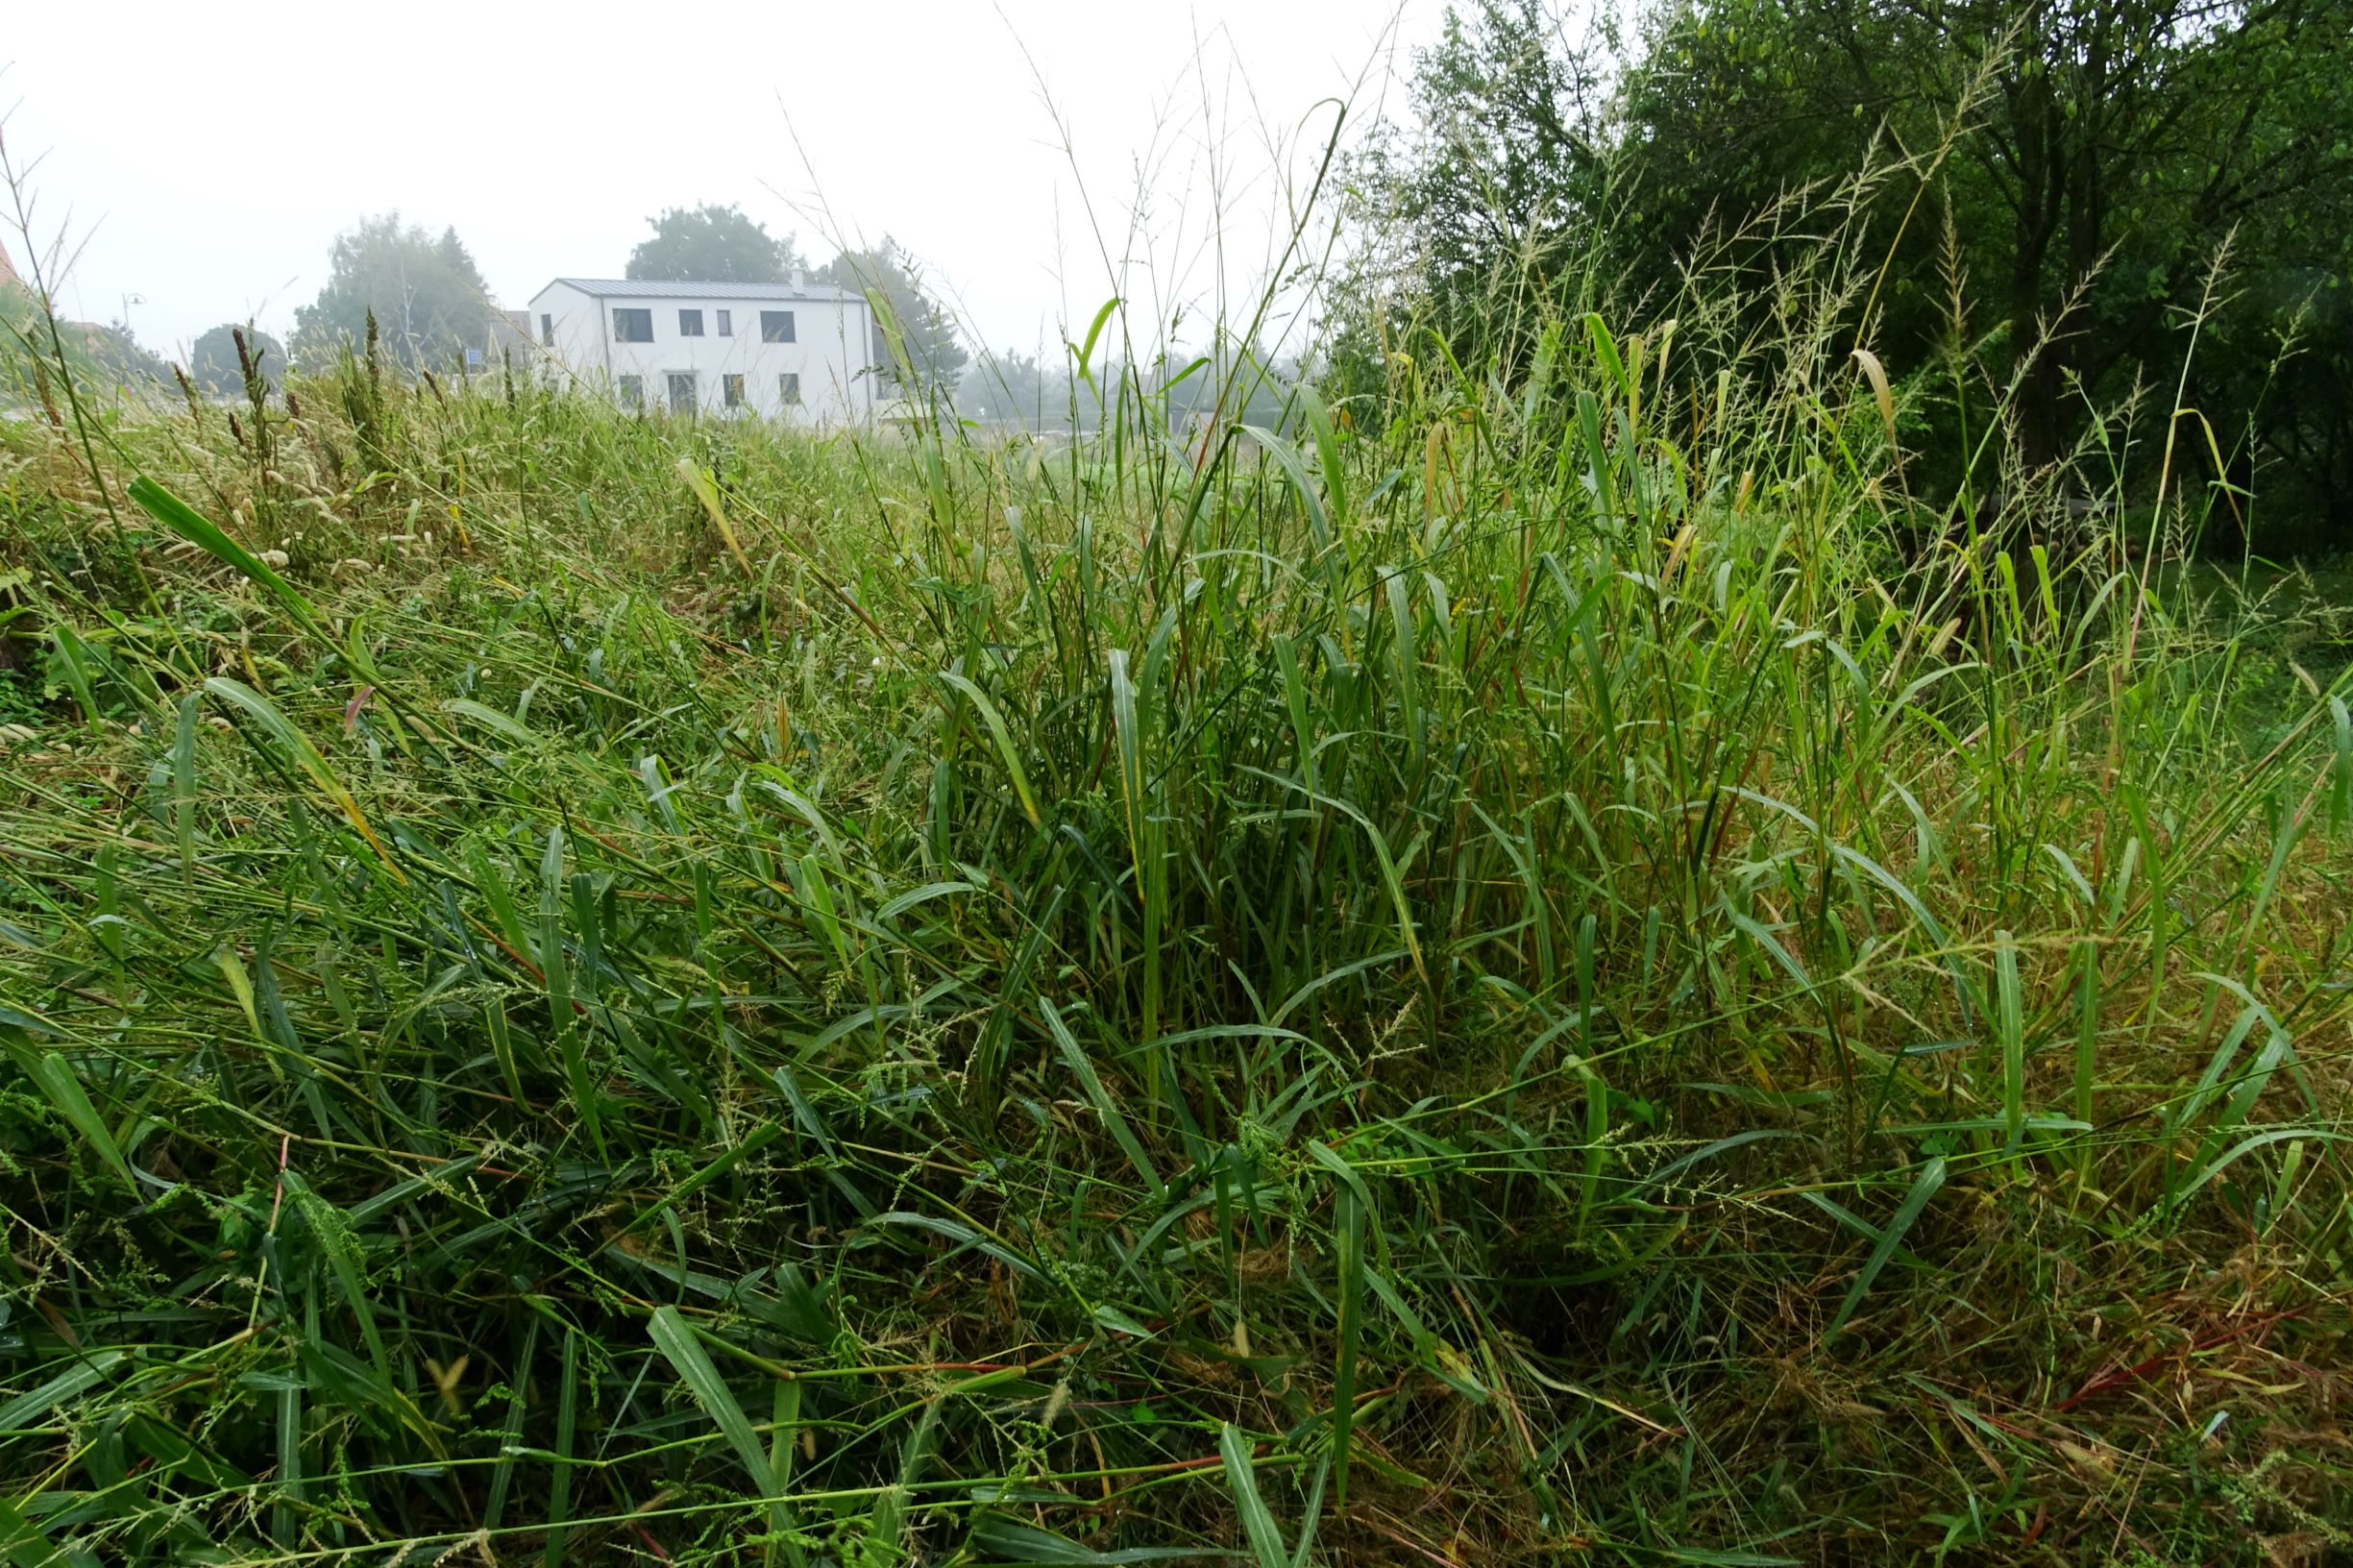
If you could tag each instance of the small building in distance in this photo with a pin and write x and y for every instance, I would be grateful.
(796, 351)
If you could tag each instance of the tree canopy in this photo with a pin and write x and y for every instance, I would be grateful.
(214, 363)
(2101, 151)
(1012, 388)
(2048, 195)
(934, 353)
(427, 297)
(711, 244)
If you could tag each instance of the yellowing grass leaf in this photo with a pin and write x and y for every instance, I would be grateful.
(707, 492)
(306, 756)
(1875, 373)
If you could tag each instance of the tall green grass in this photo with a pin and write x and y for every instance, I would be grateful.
(1498, 971)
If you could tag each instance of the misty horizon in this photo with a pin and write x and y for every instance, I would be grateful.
(175, 222)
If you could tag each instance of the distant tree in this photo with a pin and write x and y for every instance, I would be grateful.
(108, 356)
(710, 244)
(212, 362)
(1011, 388)
(932, 353)
(1233, 382)
(429, 297)
(117, 351)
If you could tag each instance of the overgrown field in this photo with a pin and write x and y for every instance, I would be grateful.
(1524, 971)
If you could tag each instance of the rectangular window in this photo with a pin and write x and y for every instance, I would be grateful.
(776, 326)
(681, 391)
(632, 326)
(788, 388)
(634, 391)
(547, 329)
(731, 391)
(690, 323)
(726, 323)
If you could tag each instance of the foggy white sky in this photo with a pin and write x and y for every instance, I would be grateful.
(207, 155)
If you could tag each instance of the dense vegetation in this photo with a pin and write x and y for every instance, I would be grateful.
(2048, 198)
(421, 299)
(33, 343)
(1551, 959)
(220, 366)
(710, 244)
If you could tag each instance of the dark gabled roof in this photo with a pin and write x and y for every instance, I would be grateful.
(652, 289)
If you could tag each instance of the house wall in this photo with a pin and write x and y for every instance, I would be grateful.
(830, 348)
(577, 349)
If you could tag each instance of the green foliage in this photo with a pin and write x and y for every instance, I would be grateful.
(928, 350)
(1493, 971)
(712, 244)
(109, 355)
(2094, 160)
(1490, 199)
(216, 364)
(427, 297)
(1014, 388)
(2060, 204)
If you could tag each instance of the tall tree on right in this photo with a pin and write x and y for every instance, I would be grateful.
(1493, 193)
(2087, 163)
(2117, 145)
(933, 353)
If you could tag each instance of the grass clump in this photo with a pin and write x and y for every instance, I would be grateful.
(1512, 971)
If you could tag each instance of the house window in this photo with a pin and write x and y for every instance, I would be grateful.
(632, 326)
(731, 390)
(547, 329)
(633, 392)
(776, 326)
(788, 388)
(690, 323)
(726, 323)
(681, 391)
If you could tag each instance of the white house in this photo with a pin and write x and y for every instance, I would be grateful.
(797, 351)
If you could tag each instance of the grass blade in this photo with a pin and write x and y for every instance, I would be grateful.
(1004, 743)
(22, 1412)
(1091, 1084)
(1259, 1526)
(306, 756)
(2010, 1033)
(1923, 1188)
(677, 1341)
(55, 1078)
(1010, 1542)
(198, 530)
(567, 1429)
(707, 492)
